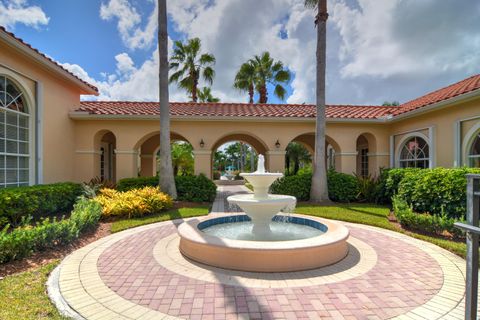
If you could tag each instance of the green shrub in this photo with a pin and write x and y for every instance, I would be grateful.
(342, 187)
(23, 241)
(434, 224)
(367, 188)
(388, 182)
(195, 188)
(133, 203)
(436, 191)
(37, 201)
(295, 185)
(189, 188)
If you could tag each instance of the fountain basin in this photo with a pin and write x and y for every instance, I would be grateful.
(264, 256)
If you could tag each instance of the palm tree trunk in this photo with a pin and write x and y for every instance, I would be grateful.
(263, 94)
(167, 182)
(195, 87)
(319, 190)
(250, 93)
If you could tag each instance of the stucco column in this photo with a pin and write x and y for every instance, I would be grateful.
(147, 165)
(376, 161)
(87, 165)
(275, 161)
(348, 161)
(203, 162)
(126, 164)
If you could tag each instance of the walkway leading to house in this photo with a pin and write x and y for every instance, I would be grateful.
(221, 204)
(140, 274)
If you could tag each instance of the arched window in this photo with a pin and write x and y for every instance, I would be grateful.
(14, 136)
(414, 153)
(474, 152)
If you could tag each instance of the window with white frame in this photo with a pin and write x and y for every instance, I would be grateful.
(414, 153)
(14, 136)
(474, 152)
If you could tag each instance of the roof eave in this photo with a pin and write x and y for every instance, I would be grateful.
(438, 105)
(49, 65)
(83, 115)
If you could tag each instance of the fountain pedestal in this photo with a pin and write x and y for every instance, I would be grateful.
(261, 206)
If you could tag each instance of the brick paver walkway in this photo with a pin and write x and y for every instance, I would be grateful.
(140, 274)
(119, 277)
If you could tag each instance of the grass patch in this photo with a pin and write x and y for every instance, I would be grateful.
(375, 215)
(22, 295)
(171, 214)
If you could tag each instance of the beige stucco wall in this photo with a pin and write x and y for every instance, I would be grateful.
(135, 146)
(444, 124)
(59, 98)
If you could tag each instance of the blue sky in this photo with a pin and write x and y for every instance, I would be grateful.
(377, 51)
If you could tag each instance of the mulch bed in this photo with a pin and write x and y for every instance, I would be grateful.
(44, 257)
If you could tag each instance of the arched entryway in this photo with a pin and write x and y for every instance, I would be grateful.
(149, 152)
(307, 140)
(366, 160)
(105, 143)
(236, 152)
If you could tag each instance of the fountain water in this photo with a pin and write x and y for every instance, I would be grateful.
(260, 240)
(261, 206)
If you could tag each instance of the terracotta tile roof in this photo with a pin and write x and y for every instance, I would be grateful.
(233, 109)
(465, 86)
(50, 60)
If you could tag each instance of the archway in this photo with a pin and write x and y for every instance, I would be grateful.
(106, 143)
(234, 153)
(307, 140)
(149, 148)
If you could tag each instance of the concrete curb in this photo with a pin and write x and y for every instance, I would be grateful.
(53, 291)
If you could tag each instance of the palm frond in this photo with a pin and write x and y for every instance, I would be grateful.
(280, 92)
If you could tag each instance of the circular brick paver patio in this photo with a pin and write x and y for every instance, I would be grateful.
(139, 274)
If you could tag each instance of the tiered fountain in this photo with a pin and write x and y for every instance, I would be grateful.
(262, 240)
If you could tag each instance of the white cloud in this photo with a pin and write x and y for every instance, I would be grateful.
(13, 12)
(376, 50)
(129, 23)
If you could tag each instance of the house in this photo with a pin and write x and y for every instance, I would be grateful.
(47, 134)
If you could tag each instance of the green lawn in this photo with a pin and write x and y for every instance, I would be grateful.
(374, 215)
(171, 214)
(23, 296)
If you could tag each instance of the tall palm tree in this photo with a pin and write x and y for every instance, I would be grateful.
(189, 64)
(245, 79)
(167, 182)
(319, 190)
(268, 71)
(205, 95)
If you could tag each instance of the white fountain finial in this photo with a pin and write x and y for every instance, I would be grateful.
(260, 164)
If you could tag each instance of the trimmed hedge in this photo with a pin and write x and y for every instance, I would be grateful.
(189, 188)
(133, 203)
(295, 185)
(23, 241)
(341, 187)
(436, 191)
(435, 224)
(36, 201)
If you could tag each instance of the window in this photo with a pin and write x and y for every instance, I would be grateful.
(474, 152)
(364, 162)
(14, 136)
(102, 163)
(414, 153)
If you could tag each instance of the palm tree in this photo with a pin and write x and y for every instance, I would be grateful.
(167, 182)
(296, 154)
(319, 189)
(189, 64)
(268, 71)
(245, 79)
(205, 95)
